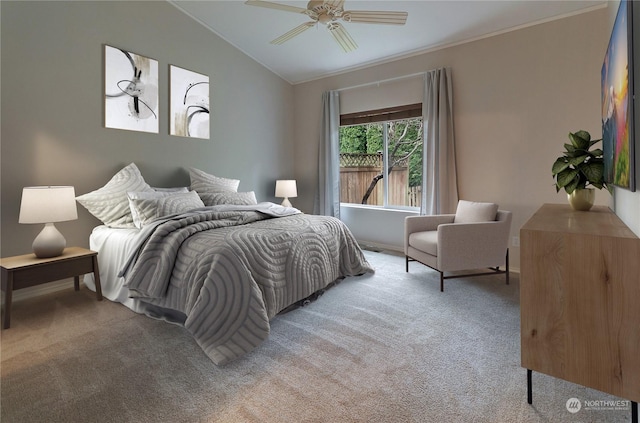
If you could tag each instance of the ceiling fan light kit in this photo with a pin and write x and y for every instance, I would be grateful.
(328, 12)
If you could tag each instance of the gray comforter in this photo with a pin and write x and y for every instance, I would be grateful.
(230, 271)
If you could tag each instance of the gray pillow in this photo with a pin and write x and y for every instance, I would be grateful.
(147, 208)
(141, 207)
(173, 189)
(236, 198)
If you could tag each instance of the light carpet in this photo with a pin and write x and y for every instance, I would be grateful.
(387, 347)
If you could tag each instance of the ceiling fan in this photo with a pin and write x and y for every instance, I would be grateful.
(328, 12)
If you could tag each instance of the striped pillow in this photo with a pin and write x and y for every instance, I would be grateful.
(173, 189)
(110, 203)
(144, 195)
(202, 182)
(236, 198)
(147, 208)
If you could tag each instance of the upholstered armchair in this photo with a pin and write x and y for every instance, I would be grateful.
(473, 238)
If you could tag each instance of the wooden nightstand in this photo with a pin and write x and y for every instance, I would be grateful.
(27, 270)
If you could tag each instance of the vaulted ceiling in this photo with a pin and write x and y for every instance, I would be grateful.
(315, 53)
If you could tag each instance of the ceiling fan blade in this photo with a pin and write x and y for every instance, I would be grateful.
(342, 37)
(375, 17)
(295, 31)
(276, 6)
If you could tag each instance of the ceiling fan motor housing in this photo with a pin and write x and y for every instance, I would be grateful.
(322, 12)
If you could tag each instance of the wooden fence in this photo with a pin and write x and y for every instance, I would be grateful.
(357, 171)
(414, 195)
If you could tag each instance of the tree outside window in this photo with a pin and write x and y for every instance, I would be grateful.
(381, 163)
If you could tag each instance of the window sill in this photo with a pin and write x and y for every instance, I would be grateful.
(388, 208)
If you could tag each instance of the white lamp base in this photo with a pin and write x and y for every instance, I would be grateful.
(286, 202)
(49, 242)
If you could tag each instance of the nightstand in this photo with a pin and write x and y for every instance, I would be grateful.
(27, 270)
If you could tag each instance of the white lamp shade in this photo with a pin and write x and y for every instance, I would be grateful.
(286, 188)
(48, 204)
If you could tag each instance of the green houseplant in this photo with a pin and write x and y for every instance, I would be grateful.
(579, 170)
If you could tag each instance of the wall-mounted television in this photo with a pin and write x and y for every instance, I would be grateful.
(618, 135)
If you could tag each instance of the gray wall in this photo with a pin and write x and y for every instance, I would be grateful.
(52, 107)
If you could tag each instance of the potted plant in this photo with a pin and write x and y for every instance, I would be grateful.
(579, 170)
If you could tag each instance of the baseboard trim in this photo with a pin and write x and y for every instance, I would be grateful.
(379, 247)
(38, 290)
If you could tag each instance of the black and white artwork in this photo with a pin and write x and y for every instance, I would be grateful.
(130, 91)
(189, 103)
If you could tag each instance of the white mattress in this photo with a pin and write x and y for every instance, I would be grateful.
(115, 247)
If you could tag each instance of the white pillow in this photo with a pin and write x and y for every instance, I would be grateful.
(110, 203)
(470, 211)
(237, 198)
(202, 182)
(151, 207)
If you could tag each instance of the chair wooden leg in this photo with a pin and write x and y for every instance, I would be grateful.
(441, 282)
(507, 266)
(407, 265)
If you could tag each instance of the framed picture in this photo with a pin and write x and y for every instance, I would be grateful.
(130, 91)
(189, 103)
(617, 102)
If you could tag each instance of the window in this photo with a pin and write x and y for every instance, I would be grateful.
(381, 157)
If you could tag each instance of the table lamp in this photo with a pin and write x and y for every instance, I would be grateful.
(286, 188)
(48, 204)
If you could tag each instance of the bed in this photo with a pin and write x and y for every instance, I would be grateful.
(222, 271)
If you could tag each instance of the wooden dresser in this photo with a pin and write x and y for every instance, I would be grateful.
(580, 299)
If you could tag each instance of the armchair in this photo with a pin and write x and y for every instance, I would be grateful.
(475, 237)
